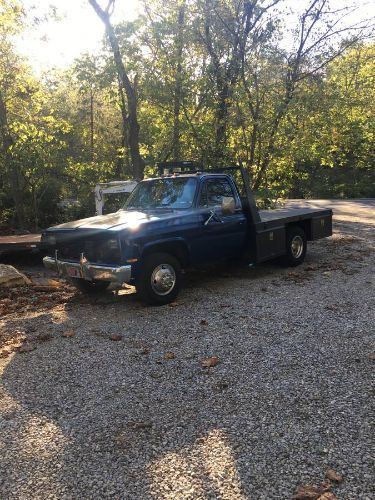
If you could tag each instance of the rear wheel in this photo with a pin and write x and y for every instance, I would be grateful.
(89, 287)
(159, 281)
(296, 246)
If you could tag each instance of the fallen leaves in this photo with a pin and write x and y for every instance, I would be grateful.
(210, 362)
(169, 355)
(311, 268)
(297, 277)
(11, 340)
(44, 337)
(42, 294)
(140, 425)
(115, 336)
(68, 333)
(306, 492)
(122, 440)
(26, 348)
(328, 496)
(203, 322)
(173, 304)
(332, 475)
(325, 485)
(321, 492)
(45, 284)
(44, 288)
(5, 306)
(332, 307)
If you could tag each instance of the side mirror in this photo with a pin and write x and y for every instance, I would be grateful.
(228, 205)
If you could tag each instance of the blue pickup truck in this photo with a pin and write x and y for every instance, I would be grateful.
(183, 218)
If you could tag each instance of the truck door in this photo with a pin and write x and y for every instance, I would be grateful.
(223, 235)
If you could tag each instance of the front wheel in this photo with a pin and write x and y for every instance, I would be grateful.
(159, 281)
(89, 287)
(296, 246)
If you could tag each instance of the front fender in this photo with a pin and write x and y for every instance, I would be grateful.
(176, 246)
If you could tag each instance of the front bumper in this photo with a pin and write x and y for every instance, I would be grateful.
(89, 271)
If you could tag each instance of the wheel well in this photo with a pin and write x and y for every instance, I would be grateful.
(178, 249)
(303, 224)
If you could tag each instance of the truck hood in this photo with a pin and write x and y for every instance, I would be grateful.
(119, 220)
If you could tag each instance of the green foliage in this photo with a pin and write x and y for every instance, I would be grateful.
(67, 128)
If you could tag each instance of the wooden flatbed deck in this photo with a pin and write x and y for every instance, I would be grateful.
(19, 243)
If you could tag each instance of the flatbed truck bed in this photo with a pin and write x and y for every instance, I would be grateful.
(291, 214)
(270, 230)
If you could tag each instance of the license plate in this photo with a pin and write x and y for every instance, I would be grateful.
(73, 272)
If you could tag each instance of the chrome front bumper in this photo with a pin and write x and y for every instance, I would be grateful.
(88, 271)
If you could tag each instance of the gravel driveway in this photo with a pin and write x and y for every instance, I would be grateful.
(110, 400)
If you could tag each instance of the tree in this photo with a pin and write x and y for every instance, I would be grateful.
(178, 80)
(225, 30)
(206, 80)
(332, 129)
(11, 16)
(125, 85)
(87, 70)
(321, 36)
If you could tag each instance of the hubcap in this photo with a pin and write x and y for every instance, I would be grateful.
(163, 279)
(297, 246)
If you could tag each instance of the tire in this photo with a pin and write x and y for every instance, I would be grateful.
(296, 246)
(159, 280)
(89, 287)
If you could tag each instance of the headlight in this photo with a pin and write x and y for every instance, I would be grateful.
(49, 239)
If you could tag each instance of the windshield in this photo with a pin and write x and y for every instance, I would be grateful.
(175, 193)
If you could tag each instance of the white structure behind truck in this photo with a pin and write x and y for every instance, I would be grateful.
(114, 187)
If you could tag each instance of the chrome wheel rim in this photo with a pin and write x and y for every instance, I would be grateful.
(163, 279)
(297, 246)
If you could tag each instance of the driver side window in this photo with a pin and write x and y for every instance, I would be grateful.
(213, 192)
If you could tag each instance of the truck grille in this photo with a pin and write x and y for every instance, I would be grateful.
(101, 248)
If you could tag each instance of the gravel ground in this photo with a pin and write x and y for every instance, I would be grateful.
(121, 407)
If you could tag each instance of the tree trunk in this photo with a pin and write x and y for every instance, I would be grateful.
(227, 72)
(91, 124)
(36, 210)
(253, 142)
(222, 110)
(272, 137)
(178, 84)
(125, 132)
(138, 163)
(267, 156)
(11, 169)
